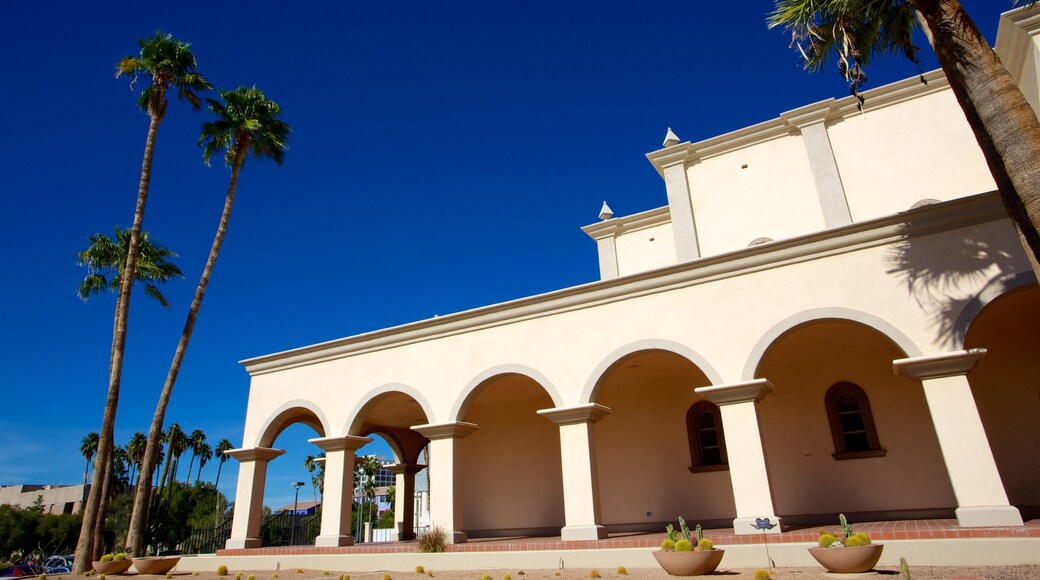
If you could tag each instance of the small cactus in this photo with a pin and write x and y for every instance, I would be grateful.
(857, 540)
(761, 574)
(325, 573)
(107, 558)
(194, 573)
(251, 577)
(101, 577)
(826, 539)
(387, 577)
(238, 576)
(685, 529)
(429, 573)
(846, 529)
(705, 545)
(594, 574)
(667, 546)
(557, 573)
(904, 569)
(683, 546)
(222, 570)
(169, 575)
(419, 570)
(120, 556)
(507, 577)
(344, 576)
(700, 534)
(621, 571)
(486, 577)
(275, 575)
(672, 534)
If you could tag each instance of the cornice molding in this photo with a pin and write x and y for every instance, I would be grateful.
(930, 219)
(455, 430)
(629, 223)
(405, 468)
(1014, 38)
(346, 442)
(733, 393)
(245, 455)
(828, 111)
(588, 413)
(937, 366)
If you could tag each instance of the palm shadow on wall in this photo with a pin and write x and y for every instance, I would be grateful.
(954, 277)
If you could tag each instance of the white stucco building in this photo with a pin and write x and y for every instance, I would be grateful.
(831, 313)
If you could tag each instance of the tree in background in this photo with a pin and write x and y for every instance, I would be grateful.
(105, 259)
(246, 123)
(169, 64)
(195, 441)
(88, 447)
(134, 453)
(205, 453)
(1004, 124)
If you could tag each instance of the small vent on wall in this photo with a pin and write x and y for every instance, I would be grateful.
(758, 241)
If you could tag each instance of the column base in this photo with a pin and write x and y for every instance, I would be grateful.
(573, 533)
(405, 536)
(333, 541)
(745, 526)
(241, 543)
(988, 516)
(456, 537)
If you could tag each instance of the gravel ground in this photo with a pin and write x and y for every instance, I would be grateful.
(1029, 572)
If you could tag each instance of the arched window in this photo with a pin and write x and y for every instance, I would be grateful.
(852, 423)
(707, 442)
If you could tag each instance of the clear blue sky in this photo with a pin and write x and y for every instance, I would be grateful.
(444, 156)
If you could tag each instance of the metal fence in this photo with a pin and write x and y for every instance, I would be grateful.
(207, 540)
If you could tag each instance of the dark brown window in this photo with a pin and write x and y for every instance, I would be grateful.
(707, 442)
(852, 424)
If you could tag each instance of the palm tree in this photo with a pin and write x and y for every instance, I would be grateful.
(168, 63)
(310, 465)
(105, 260)
(247, 123)
(179, 443)
(222, 446)
(134, 453)
(1004, 124)
(205, 453)
(88, 446)
(195, 442)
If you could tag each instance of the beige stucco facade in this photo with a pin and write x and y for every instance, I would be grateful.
(828, 247)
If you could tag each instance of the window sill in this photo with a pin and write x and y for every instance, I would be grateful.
(844, 455)
(708, 468)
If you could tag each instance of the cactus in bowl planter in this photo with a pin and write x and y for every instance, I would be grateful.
(690, 554)
(856, 553)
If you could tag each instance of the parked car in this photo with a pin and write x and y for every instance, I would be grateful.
(58, 564)
(21, 571)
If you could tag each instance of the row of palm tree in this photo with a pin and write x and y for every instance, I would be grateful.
(246, 123)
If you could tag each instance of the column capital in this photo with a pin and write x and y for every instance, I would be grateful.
(347, 442)
(588, 413)
(453, 430)
(405, 468)
(936, 366)
(743, 392)
(264, 454)
(810, 114)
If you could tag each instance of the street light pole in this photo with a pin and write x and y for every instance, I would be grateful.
(296, 505)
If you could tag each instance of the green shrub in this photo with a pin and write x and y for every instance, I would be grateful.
(667, 545)
(826, 539)
(621, 571)
(705, 545)
(222, 570)
(857, 539)
(107, 558)
(683, 545)
(762, 575)
(432, 540)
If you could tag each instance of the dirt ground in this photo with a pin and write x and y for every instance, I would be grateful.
(1029, 572)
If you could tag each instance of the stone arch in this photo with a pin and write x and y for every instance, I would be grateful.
(887, 329)
(994, 289)
(467, 394)
(356, 417)
(290, 412)
(595, 379)
(395, 429)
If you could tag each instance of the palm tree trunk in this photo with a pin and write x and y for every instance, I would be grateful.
(1004, 124)
(191, 464)
(106, 495)
(138, 520)
(115, 368)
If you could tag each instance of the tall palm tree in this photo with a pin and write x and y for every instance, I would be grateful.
(222, 446)
(134, 453)
(168, 64)
(88, 447)
(247, 123)
(1004, 124)
(179, 443)
(205, 453)
(105, 260)
(195, 442)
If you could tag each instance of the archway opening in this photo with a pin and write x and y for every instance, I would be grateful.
(843, 433)
(291, 513)
(509, 480)
(650, 467)
(1006, 390)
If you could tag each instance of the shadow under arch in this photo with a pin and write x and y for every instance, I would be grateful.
(290, 412)
(885, 328)
(974, 305)
(390, 411)
(468, 394)
(356, 419)
(595, 379)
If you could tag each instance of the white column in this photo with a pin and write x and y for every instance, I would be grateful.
(810, 121)
(404, 500)
(747, 460)
(578, 456)
(445, 511)
(337, 497)
(981, 498)
(680, 206)
(249, 495)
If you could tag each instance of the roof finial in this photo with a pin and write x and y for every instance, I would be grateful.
(670, 139)
(605, 213)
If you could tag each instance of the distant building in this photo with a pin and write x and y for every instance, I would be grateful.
(302, 508)
(55, 499)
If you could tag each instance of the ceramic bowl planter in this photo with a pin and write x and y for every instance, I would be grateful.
(156, 564)
(848, 560)
(689, 563)
(111, 567)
